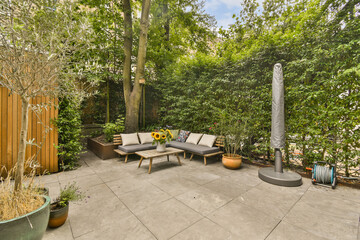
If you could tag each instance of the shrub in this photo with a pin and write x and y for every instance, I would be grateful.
(112, 128)
(69, 193)
(69, 129)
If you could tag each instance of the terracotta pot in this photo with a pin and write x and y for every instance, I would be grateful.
(232, 161)
(58, 216)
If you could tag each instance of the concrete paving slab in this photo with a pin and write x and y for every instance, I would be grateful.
(243, 221)
(243, 178)
(226, 187)
(249, 169)
(61, 233)
(97, 164)
(83, 182)
(54, 189)
(339, 192)
(168, 218)
(203, 230)
(159, 164)
(310, 212)
(345, 209)
(273, 200)
(112, 175)
(218, 169)
(128, 228)
(143, 197)
(324, 216)
(200, 160)
(69, 175)
(200, 177)
(47, 178)
(203, 200)
(97, 212)
(127, 184)
(174, 185)
(286, 231)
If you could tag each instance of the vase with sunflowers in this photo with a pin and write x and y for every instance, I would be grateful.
(160, 138)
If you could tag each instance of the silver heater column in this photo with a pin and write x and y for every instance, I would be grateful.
(276, 175)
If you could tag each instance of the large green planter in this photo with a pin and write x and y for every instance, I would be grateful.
(20, 229)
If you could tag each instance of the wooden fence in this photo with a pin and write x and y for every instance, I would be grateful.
(39, 124)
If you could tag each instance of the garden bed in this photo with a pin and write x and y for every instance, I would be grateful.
(101, 149)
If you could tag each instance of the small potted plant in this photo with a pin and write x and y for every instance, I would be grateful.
(234, 130)
(160, 138)
(59, 209)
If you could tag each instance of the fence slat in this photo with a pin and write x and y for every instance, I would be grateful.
(10, 125)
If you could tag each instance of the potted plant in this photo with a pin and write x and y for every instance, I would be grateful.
(59, 209)
(234, 130)
(35, 59)
(160, 138)
(24, 213)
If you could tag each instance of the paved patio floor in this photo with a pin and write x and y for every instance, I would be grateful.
(194, 201)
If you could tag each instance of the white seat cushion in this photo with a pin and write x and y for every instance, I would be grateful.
(129, 139)
(145, 137)
(207, 140)
(194, 138)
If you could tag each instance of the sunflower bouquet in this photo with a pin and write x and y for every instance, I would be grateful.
(162, 136)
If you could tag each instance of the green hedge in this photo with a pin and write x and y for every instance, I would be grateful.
(69, 129)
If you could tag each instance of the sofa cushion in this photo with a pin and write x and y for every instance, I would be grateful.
(129, 139)
(135, 148)
(193, 148)
(194, 138)
(145, 137)
(207, 140)
(183, 135)
(175, 133)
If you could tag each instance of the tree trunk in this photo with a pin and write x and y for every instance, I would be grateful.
(167, 23)
(22, 145)
(107, 120)
(127, 50)
(132, 98)
(304, 160)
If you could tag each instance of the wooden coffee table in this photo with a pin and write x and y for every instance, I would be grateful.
(153, 154)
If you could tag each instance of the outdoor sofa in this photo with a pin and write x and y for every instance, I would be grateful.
(197, 144)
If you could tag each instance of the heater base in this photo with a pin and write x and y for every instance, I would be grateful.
(286, 179)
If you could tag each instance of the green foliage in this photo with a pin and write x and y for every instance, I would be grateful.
(234, 127)
(176, 28)
(317, 44)
(112, 128)
(198, 89)
(69, 193)
(69, 128)
(107, 47)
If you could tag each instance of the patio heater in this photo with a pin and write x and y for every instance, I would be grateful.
(142, 83)
(276, 175)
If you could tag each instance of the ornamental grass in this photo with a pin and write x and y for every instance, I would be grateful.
(18, 203)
